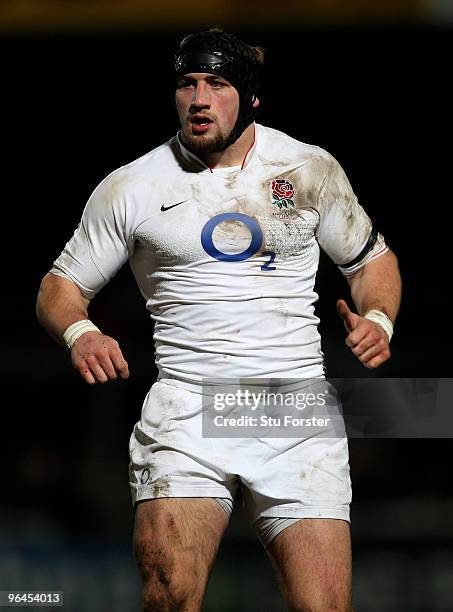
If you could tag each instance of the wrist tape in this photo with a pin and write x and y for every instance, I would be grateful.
(381, 319)
(78, 328)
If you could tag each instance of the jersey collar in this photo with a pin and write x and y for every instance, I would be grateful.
(194, 160)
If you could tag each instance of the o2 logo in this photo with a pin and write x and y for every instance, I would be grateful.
(257, 239)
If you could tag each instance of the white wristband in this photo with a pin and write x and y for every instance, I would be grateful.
(381, 319)
(78, 328)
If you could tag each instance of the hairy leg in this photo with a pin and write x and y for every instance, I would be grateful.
(175, 544)
(312, 559)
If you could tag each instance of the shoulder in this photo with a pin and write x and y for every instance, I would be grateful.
(138, 174)
(279, 147)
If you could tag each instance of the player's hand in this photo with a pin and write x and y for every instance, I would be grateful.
(98, 358)
(367, 340)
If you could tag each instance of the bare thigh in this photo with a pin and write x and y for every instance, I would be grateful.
(312, 559)
(175, 544)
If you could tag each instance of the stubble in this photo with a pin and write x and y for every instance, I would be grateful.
(206, 144)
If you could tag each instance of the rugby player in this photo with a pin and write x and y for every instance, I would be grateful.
(222, 227)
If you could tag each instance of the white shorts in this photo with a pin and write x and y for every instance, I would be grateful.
(288, 478)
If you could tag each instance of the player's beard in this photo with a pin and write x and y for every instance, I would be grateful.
(207, 143)
(201, 143)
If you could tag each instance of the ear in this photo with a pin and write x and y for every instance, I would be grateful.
(256, 102)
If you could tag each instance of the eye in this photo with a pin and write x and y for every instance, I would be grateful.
(184, 83)
(217, 84)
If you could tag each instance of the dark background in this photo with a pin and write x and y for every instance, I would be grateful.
(77, 106)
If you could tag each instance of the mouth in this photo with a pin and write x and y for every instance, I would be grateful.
(200, 123)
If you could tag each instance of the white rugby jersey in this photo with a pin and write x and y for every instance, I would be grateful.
(226, 259)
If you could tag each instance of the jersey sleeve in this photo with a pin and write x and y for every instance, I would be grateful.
(345, 231)
(101, 244)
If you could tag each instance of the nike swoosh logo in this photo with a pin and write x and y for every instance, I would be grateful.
(163, 207)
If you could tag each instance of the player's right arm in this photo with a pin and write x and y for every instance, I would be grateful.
(97, 357)
(101, 244)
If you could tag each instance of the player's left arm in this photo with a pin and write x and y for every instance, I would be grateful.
(374, 287)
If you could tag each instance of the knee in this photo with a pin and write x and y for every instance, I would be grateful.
(172, 596)
(167, 586)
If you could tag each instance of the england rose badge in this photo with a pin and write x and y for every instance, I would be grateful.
(283, 193)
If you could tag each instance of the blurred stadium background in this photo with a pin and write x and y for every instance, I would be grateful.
(87, 87)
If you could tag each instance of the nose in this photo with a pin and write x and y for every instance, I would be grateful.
(200, 96)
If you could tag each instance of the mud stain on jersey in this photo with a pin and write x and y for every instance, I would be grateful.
(116, 186)
(235, 233)
(231, 182)
(161, 488)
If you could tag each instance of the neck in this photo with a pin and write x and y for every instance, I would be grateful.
(234, 155)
